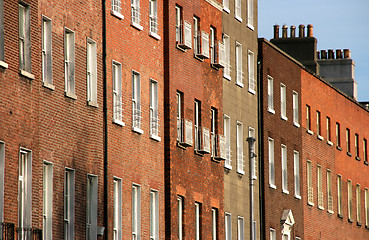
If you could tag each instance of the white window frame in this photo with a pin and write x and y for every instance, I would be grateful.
(358, 203)
(348, 140)
(117, 93)
(319, 124)
(24, 27)
(270, 95)
(296, 170)
(349, 199)
(116, 9)
(251, 71)
(153, 22)
(329, 131)
(365, 150)
(227, 135)
(196, 35)
(91, 207)
(69, 203)
(366, 203)
(214, 220)
(309, 180)
(240, 228)
(228, 226)
(295, 103)
(239, 72)
(338, 134)
(136, 212)
(226, 6)
(329, 191)
(136, 102)
(154, 214)
(339, 195)
(238, 10)
(239, 146)
(91, 73)
(271, 163)
(2, 173)
(154, 111)
(197, 221)
(308, 119)
(272, 234)
(179, 97)
(135, 14)
(213, 50)
(47, 76)
(117, 222)
(69, 63)
(227, 57)
(319, 176)
(250, 14)
(47, 200)
(180, 202)
(283, 102)
(197, 124)
(357, 147)
(179, 33)
(213, 121)
(284, 169)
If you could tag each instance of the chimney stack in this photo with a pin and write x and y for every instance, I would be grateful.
(284, 31)
(318, 54)
(276, 31)
(293, 31)
(330, 54)
(310, 30)
(323, 54)
(346, 53)
(338, 54)
(301, 31)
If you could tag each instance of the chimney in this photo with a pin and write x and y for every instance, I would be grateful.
(330, 54)
(276, 31)
(318, 54)
(284, 31)
(346, 53)
(323, 54)
(301, 31)
(310, 30)
(338, 54)
(293, 31)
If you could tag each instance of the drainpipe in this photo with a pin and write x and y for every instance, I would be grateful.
(252, 155)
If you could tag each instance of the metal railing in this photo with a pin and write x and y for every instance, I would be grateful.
(29, 234)
(6, 231)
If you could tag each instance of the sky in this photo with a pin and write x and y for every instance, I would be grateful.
(338, 24)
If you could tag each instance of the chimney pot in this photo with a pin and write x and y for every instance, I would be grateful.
(346, 53)
(293, 31)
(276, 31)
(330, 54)
(318, 54)
(284, 31)
(338, 54)
(323, 54)
(301, 31)
(310, 30)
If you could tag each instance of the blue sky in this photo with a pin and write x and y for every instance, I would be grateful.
(338, 24)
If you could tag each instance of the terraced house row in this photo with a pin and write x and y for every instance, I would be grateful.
(172, 120)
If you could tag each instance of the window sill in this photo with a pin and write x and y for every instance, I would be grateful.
(330, 211)
(240, 172)
(154, 35)
(298, 197)
(229, 167)
(3, 64)
(271, 111)
(227, 77)
(195, 55)
(215, 66)
(366, 162)
(250, 26)
(118, 122)
(71, 95)
(349, 154)
(329, 143)
(26, 74)
(357, 158)
(198, 153)
(137, 26)
(320, 207)
(49, 86)
(92, 104)
(359, 224)
(178, 47)
(154, 137)
(296, 124)
(350, 220)
(310, 203)
(285, 191)
(340, 215)
(117, 14)
(320, 137)
(238, 18)
(252, 91)
(272, 186)
(284, 118)
(180, 145)
(339, 148)
(225, 9)
(137, 130)
(240, 84)
(309, 132)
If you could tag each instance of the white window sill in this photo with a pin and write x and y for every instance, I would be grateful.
(320, 207)
(155, 137)
(271, 111)
(137, 26)
(284, 118)
(225, 9)
(71, 95)
(240, 84)
(117, 14)
(228, 166)
(137, 130)
(272, 186)
(298, 197)
(296, 124)
(178, 47)
(26, 74)
(118, 122)
(330, 211)
(320, 137)
(49, 86)
(252, 91)
(3, 64)
(329, 143)
(285, 191)
(238, 18)
(154, 35)
(310, 203)
(240, 172)
(92, 104)
(309, 132)
(227, 77)
(250, 26)
(195, 55)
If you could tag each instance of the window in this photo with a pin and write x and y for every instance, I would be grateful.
(91, 207)
(366, 207)
(180, 217)
(329, 191)
(117, 93)
(154, 215)
(69, 63)
(227, 57)
(348, 144)
(197, 125)
(272, 234)
(179, 36)
(238, 10)
(154, 120)
(358, 203)
(179, 116)
(135, 13)
(338, 135)
(228, 226)
(47, 200)
(24, 192)
(227, 135)
(365, 149)
(308, 118)
(309, 183)
(2, 57)
(196, 35)
(24, 38)
(240, 163)
(226, 5)
(251, 70)
(214, 129)
(239, 78)
(136, 102)
(357, 150)
(116, 8)
(69, 204)
(318, 124)
(240, 226)
(320, 187)
(117, 224)
(296, 161)
(250, 14)
(284, 168)
(153, 17)
(214, 218)
(271, 163)
(283, 102)
(2, 172)
(91, 73)
(46, 52)
(136, 212)
(198, 220)
(349, 196)
(213, 50)
(339, 195)
(270, 95)
(295, 102)
(329, 130)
